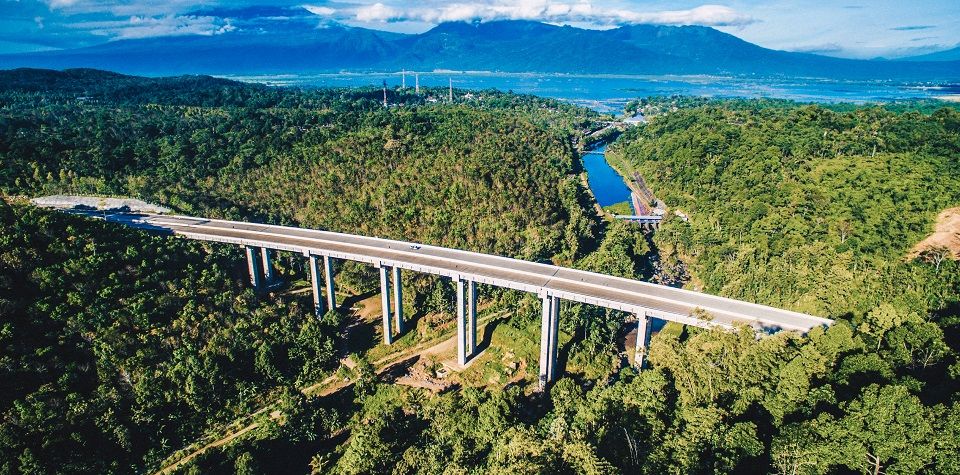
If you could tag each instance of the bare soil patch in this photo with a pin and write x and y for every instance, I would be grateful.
(946, 234)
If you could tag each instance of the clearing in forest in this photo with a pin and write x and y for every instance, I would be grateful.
(945, 235)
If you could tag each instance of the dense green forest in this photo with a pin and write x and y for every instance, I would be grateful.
(119, 348)
(470, 175)
(804, 207)
(494, 172)
(816, 209)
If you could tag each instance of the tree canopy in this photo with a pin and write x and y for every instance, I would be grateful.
(121, 350)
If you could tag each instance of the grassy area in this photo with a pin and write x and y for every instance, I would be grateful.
(672, 328)
(616, 159)
(622, 207)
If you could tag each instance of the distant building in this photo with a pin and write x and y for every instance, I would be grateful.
(637, 119)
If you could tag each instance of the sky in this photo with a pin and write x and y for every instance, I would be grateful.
(843, 28)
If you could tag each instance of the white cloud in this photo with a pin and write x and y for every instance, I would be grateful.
(127, 8)
(540, 10)
(145, 18)
(824, 48)
(149, 27)
(319, 11)
(378, 12)
(60, 3)
(710, 15)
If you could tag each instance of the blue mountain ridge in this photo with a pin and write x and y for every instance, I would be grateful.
(503, 46)
(952, 54)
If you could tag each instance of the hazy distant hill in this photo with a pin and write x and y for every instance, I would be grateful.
(947, 55)
(514, 46)
(294, 49)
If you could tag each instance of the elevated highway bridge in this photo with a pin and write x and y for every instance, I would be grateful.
(551, 283)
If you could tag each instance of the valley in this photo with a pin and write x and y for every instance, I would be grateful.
(130, 352)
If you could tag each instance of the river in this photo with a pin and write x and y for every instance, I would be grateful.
(606, 184)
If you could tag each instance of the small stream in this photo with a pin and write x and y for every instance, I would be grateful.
(607, 185)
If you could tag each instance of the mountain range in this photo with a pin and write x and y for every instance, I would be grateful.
(505, 46)
(947, 55)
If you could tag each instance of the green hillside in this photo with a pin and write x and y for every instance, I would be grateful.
(803, 207)
(472, 176)
(123, 352)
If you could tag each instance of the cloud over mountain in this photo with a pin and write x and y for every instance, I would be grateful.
(150, 27)
(860, 31)
(262, 47)
(540, 10)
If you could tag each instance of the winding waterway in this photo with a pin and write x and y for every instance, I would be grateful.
(606, 184)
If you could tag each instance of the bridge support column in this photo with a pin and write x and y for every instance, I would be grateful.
(554, 336)
(466, 320)
(385, 302)
(644, 327)
(549, 324)
(471, 318)
(461, 322)
(328, 273)
(253, 266)
(315, 283)
(398, 300)
(268, 275)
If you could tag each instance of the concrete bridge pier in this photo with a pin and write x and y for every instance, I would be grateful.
(549, 329)
(385, 303)
(315, 283)
(466, 320)
(461, 327)
(471, 318)
(253, 266)
(268, 276)
(644, 327)
(398, 300)
(328, 273)
(554, 337)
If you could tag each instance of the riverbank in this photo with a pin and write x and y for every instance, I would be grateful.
(596, 206)
(622, 166)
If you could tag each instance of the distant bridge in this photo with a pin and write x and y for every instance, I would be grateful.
(551, 283)
(651, 220)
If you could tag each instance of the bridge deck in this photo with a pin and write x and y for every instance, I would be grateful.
(581, 286)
